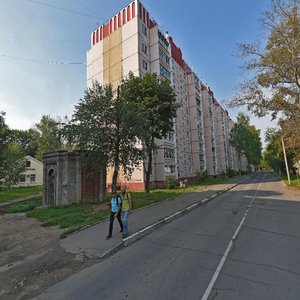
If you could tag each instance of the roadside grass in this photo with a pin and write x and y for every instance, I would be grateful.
(295, 181)
(76, 216)
(7, 194)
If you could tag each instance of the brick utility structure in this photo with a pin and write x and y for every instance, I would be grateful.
(132, 41)
(66, 180)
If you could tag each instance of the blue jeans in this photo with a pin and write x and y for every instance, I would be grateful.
(125, 215)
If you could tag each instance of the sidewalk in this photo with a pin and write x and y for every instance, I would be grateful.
(91, 241)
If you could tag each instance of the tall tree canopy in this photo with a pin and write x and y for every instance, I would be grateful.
(104, 124)
(12, 161)
(156, 106)
(49, 136)
(246, 140)
(275, 65)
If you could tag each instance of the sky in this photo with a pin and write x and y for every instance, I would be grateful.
(43, 45)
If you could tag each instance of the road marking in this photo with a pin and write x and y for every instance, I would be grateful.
(222, 261)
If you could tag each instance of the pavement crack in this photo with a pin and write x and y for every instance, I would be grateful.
(184, 248)
(247, 279)
(265, 265)
(185, 231)
(272, 232)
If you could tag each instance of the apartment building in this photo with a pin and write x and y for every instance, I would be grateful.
(131, 41)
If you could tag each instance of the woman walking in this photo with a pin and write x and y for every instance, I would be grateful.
(126, 207)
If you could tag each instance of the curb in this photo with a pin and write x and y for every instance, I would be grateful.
(147, 230)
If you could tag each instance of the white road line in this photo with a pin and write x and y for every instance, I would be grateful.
(222, 261)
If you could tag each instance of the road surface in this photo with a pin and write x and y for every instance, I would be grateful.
(244, 244)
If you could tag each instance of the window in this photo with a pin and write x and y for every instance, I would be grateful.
(145, 65)
(169, 169)
(144, 48)
(169, 153)
(28, 164)
(22, 178)
(164, 72)
(162, 40)
(170, 136)
(32, 178)
(164, 57)
(144, 30)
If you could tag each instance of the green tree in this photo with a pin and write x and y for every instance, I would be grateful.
(103, 125)
(274, 85)
(48, 134)
(156, 107)
(12, 161)
(246, 140)
(27, 139)
(14, 164)
(274, 152)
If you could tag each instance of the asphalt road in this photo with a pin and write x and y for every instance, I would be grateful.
(242, 245)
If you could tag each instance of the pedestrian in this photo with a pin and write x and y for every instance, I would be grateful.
(115, 212)
(126, 207)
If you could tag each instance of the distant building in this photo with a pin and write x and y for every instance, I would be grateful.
(33, 174)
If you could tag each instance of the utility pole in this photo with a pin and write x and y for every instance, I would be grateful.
(286, 164)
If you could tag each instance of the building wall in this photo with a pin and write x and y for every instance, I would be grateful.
(209, 131)
(197, 127)
(33, 174)
(132, 41)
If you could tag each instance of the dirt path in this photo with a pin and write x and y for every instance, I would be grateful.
(31, 258)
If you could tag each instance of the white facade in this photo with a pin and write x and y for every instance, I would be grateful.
(33, 174)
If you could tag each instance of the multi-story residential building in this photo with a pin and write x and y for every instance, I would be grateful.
(196, 119)
(210, 130)
(131, 41)
(183, 119)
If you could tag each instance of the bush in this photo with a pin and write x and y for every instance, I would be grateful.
(230, 172)
(170, 182)
(202, 175)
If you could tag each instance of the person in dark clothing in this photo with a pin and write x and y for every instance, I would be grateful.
(115, 212)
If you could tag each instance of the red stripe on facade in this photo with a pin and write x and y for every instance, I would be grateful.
(148, 21)
(106, 31)
(94, 38)
(144, 14)
(101, 33)
(124, 16)
(97, 35)
(133, 10)
(119, 20)
(140, 10)
(115, 23)
(128, 13)
(176, 53)
(110, 26)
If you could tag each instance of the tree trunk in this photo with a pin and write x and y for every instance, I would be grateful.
(102, 195)
(148, 171)
(240, 164)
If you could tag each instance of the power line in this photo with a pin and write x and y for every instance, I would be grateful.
(43, 61)
(83, 5)
(64, 9)
(42, 40)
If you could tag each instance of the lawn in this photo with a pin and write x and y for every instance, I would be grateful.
(76, 216)
(295, 182)
(18, 192)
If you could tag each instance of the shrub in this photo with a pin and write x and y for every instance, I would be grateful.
(230, 172)
(170, 182)
(202, 175)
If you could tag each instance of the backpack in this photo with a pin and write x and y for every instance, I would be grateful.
(119, 201)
